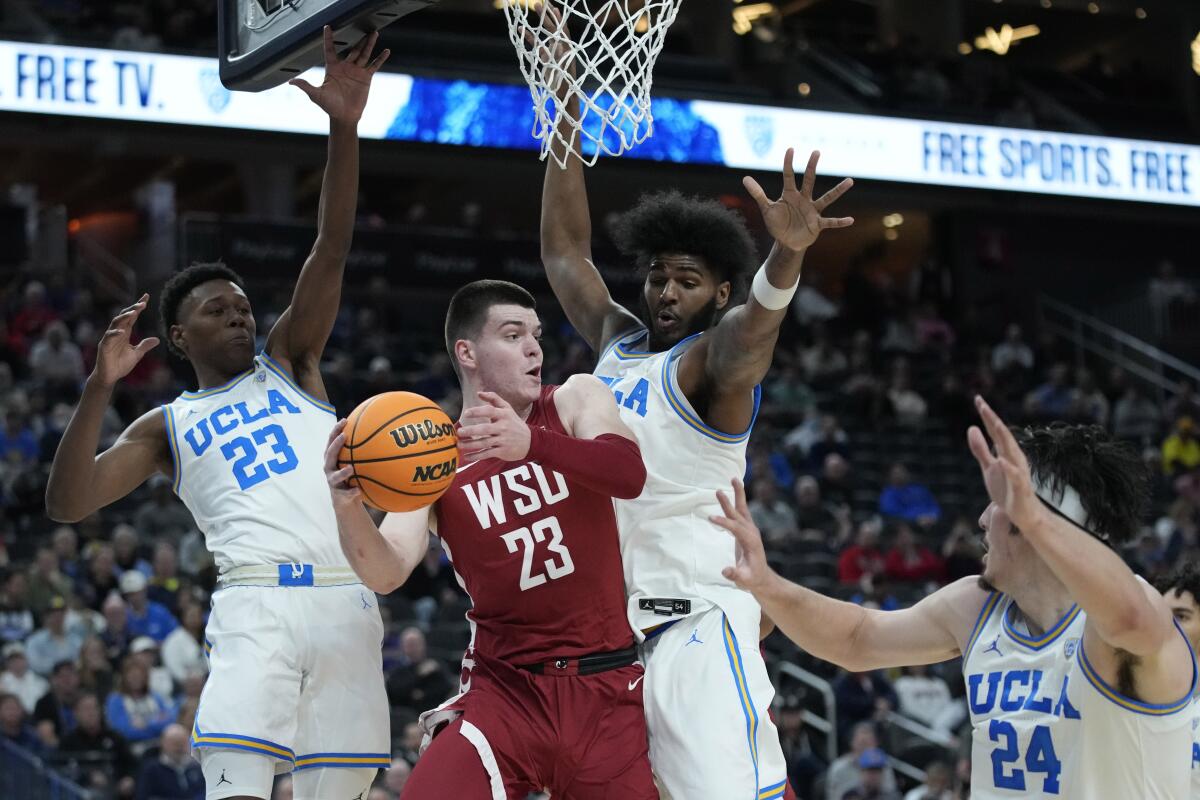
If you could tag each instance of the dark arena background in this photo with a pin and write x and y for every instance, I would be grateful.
(1027, 210)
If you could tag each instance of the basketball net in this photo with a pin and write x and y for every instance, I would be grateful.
(613, 49)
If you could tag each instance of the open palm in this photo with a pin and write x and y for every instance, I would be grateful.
(795, 219)
(115, 355)
(1005, 474)
(343, 93)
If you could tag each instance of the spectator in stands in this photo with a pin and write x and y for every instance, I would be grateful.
(811, 513)
(953, 405)
(16, 620)
(163, 517)
(862, 697)
(844, 773)
(100, 581)
(145, 650)
(52, 642)
(127, 551)
(410, 743)
(822, 362)
(862, 560)
(66, 552)
(46, 581)
(134, 712)
(961, 551)
(1012, 354)
(56, 362)
(164, 583)
(116, 634)
(1185, 403)
(14, 727)
(146, 618)
(830, 439)
(908, 407)
(837, 482)
(1181, 450)
(174, 775)
(1089, 405)
(396, 776)
(911, 561)
(1054, 399)
(774, 517)
(904, 499)
(95, 668)
(431, 583)
(18, 679)
(938, 785)
(870, 778)
(183, 649)
(1169, 294)
(934, 334)
(90, 739)
(787, 393)
(18, 442)
(803, 764)
(420, 681)
(1136, 417)
(54, 715)
(30, 319)
(925, 697)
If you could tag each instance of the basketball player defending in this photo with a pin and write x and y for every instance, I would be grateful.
(1079, 683)
(552, 691)
(296, 674)
(1181, 590)
(686, 379)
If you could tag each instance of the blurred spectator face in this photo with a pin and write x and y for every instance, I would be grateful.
(87, 713)
(863, 738)
(829, 426)
(412, 643)
(764, 491)
(175, 743)
(103, 562)
(15, 588)
(808, 492)
(193, 684)
(146, 652)
(1187, 613)
(125, 541)
(45, 563)
(16, 664)
(65, 680)
(134, 676)
(12, 716)
(868, 534)
(397, 775)
(938, 777)
(872, 780)
(56, 334)
(1186, 428)
(35, 295)
(1013, 334)
(93, 656)
(192, 618)
(898, 475)
(165, 561)
(904, 538)
(412, 737)
(55, 617)
(836, 468)
(114, 611)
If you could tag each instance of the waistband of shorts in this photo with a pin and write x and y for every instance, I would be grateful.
(584, 665)
(288, 575)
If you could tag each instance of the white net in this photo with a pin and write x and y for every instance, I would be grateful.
(601, 52)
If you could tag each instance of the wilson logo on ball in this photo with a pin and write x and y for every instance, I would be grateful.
(420, 432)
(435, 472)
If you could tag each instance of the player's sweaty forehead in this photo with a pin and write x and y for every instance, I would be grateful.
(217, 290)
(504, 319)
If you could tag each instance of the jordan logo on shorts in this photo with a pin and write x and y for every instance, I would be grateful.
(223, 780)
(694, 639)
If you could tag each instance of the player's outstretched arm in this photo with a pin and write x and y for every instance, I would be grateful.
(1124, 614)
(382, 556)
(299, 337)
(855, 638)
(566, 228)
(740, 350)
(599, 452)
(81, 481)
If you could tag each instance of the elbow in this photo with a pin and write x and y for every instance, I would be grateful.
(631, 488)
(60, 510)
(1139, 631)
(383, 586)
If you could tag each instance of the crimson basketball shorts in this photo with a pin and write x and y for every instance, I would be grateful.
(580, 737)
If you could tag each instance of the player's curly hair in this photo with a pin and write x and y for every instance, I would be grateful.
(177, 288)
(1184, 578)
(669, 222)
(1112, 480)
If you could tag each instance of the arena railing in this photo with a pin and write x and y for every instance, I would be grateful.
(23, 775)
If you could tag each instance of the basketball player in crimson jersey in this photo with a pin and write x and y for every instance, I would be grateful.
(552, 694)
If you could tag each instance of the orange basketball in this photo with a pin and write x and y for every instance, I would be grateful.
(403, 449)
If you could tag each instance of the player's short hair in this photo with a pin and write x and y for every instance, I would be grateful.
(469, 307)
(1184, 578)
(668, 222)
(1112, 480)
(177, 288)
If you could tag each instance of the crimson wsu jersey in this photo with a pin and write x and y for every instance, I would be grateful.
(539, 556)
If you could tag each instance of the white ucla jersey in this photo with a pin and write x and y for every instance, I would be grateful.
(670, 550)
(249, 464)
(1195, 760)
(1044, 723)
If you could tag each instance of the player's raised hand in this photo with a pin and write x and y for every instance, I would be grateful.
(795, 219)
(340, 489)
(492, 430)
(115, 356)
(343, 94)
(552, 45)
(1006, 474)
(751, 572)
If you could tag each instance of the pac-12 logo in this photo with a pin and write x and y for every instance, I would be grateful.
(215, 94)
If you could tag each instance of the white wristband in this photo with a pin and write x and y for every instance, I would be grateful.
(767, 295)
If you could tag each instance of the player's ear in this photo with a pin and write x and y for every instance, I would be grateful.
(464, 354)
(724, 289)
(177, 338)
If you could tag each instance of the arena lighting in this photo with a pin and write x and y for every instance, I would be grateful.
(893, 220)
(999, 41)
(744, 16)
(1196, 54)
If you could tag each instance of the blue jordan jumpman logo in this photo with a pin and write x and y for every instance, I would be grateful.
(694, 639)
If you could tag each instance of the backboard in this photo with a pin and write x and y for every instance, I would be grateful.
(264, 43)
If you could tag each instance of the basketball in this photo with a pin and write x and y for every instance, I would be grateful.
(403, 449)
